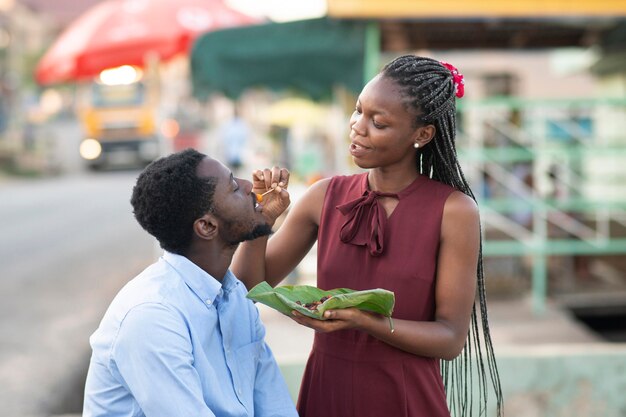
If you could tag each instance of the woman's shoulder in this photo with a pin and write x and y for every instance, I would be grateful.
(319, 186)
(459, 204)
(348, 181)
(336, 182)
(440, 186)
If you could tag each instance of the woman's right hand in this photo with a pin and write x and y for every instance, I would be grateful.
(340, 319)
(277, 200)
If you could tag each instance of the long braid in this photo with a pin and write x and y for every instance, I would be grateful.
(428, 87)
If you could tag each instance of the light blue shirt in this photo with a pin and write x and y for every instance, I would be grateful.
(175, 342)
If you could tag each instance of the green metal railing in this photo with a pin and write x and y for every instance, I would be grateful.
(500, 135)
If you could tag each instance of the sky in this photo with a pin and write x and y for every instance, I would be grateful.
(281, 10)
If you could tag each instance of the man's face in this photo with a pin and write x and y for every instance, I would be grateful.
(235, 205)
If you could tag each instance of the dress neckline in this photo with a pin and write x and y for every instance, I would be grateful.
(417, 182)
(365, 218)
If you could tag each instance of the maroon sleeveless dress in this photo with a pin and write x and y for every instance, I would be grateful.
(349, 373)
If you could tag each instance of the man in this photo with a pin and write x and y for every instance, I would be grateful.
(181, 339)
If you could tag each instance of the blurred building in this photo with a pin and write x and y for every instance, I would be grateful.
(60, 12)
(24, 34)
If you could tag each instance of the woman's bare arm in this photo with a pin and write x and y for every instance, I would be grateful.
(455, 293)
(273, 259)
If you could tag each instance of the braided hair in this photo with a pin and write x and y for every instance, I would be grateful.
(429, 88)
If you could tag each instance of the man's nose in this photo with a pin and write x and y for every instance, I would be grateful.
(247, 185)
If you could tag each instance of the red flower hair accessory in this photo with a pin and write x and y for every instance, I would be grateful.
(457, 77)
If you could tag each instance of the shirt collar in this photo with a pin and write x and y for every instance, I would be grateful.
(199, 281)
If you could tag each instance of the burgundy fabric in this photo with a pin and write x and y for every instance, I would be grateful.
(366, 221)
(349, 373)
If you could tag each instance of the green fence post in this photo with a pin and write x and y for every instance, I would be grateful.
(539, 282)
(540, 259)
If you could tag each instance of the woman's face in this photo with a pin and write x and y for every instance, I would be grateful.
(382, 130)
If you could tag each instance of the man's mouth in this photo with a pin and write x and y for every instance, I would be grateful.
(255, 203)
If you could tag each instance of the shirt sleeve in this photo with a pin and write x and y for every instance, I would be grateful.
(271, 396)
(153, 356)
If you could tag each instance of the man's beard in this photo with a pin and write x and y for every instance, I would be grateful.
(258, 231)
(233, 238)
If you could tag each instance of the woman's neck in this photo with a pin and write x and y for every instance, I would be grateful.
(390, 181)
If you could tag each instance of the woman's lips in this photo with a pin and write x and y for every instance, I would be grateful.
(357, 150)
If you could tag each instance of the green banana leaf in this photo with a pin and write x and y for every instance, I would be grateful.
(283, 299)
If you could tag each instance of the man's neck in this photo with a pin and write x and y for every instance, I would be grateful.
(214, 262)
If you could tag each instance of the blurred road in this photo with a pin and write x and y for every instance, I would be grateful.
(66, 246)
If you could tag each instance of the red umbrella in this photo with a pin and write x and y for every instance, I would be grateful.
(127, 32)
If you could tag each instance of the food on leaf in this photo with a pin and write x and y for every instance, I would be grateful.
(313, 302)
(313, 305)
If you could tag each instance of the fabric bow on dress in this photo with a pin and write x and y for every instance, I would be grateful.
(366, 221)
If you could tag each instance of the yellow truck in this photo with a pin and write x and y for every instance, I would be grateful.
(119, 114)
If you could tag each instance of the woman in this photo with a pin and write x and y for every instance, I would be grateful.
(410, 225)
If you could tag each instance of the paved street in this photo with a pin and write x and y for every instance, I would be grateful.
(66, 246)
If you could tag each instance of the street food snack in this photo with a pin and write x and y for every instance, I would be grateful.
(313, 301)
(313, 304)
(259, 197)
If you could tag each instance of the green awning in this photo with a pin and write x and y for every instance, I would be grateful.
(308, 56)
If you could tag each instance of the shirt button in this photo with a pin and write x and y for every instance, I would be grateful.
(239, 391)
(208, 302)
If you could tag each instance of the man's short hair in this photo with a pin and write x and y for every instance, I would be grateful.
(169, 197)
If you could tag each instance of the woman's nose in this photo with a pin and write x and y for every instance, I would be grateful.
(356, 125)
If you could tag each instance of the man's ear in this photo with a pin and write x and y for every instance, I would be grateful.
(206, 227)
(424, 134)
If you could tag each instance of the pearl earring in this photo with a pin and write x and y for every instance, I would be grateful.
(416, 145)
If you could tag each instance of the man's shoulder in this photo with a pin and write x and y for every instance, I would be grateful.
(157, 284)
(153, 284)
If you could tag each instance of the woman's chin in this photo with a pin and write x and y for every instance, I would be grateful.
(362, 163)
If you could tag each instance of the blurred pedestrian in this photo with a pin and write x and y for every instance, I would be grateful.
(410, 225)
(235, 136)
(181, 339)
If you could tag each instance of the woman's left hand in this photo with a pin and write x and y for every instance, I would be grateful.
(345, 318)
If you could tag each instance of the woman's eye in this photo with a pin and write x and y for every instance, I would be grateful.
(357, 110)
(378, 125)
